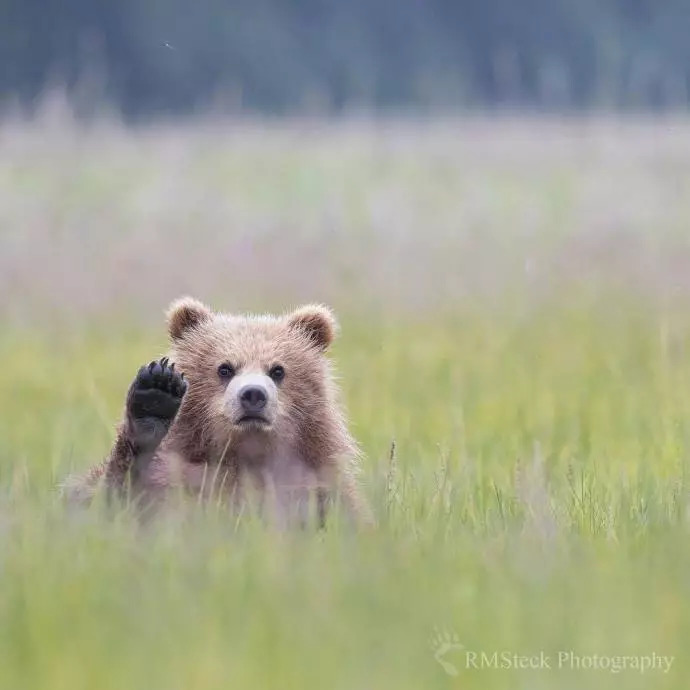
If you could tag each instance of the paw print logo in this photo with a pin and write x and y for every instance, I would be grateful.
(443, 643)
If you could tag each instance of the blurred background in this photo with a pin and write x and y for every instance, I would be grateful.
(147, 57)
(410, 154)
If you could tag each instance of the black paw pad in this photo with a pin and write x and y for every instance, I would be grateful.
(157, 391)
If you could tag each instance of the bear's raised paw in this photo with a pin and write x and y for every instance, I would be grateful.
(156, 392)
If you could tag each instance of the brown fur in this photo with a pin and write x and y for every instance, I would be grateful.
(306, 452)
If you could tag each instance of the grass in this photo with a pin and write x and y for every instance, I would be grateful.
(514, 358)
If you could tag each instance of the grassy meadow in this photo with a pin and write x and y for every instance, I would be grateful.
(514, 297)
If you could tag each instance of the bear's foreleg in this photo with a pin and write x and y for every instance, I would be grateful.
(152, 403)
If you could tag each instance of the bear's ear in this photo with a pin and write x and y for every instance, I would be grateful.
(317, 323)
(186, 313)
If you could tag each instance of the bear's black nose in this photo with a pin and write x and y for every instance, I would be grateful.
(253, 398)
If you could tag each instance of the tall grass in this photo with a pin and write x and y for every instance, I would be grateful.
(514, 358)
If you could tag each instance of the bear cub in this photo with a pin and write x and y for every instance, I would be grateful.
(243, 408)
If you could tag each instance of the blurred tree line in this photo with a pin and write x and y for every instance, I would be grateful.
(178, 56)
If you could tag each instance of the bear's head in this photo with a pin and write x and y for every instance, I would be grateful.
(261, 377)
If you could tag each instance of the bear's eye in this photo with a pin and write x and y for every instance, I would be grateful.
(277, 373)
(226, 371)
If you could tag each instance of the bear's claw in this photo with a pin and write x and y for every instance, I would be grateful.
(157, 391)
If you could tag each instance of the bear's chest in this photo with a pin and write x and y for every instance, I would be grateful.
(277, 484)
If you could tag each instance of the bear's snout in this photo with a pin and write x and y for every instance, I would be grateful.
(253, 398)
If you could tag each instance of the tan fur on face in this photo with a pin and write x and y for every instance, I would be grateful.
(306, 397)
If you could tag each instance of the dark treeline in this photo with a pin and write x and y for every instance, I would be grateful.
(178, 56)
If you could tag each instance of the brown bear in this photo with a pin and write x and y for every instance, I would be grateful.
(249, 408)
